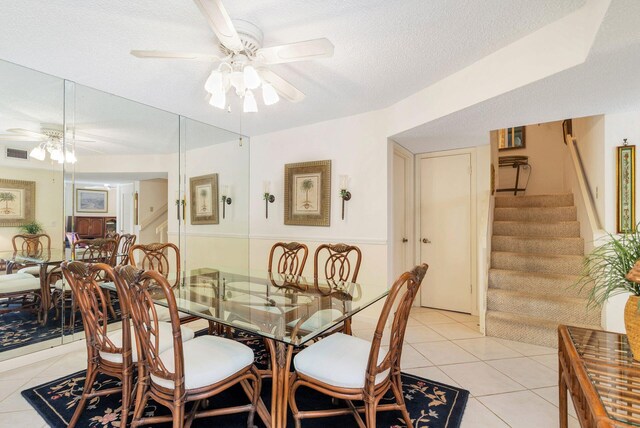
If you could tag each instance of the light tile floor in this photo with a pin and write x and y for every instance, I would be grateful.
(512, 384)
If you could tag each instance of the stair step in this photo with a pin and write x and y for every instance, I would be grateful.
(544, 214)
(558, 229)
(542, 283)
(538, 331)
(565, 310)
(537, 245)
(557, 200)
(543, 263)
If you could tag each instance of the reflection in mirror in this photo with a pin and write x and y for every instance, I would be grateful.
(118, 187)
(31, 189)
(511, 138)
(216, 183)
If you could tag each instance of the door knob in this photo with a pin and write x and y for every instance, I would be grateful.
(425, 241)
(405, 240)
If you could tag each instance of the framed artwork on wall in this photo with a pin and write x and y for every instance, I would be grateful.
(511, 138)
(92, 201)
(17, 202)
(307, 193)
(626, 189)
(204, 199)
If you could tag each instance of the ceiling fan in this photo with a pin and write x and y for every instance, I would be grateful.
(50, 140)
(243, 61)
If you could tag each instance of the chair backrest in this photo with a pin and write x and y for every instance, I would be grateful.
(94, 307)
(112, 235)
(31, 244)
(125, 242)
(141, 287)
(341, 263)
(291, 257)
(100, 250)
(156, 257)
(399, 300)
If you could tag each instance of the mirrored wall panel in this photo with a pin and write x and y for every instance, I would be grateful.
(31, 207)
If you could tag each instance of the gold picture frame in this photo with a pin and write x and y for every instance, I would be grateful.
(203, 205)
(512, 138)
(626, 189)
(307, 193)
(17, 202)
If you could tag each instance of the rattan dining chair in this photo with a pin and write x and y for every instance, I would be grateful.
(191, 371)
(350, 368)
(99, 250)
(286, 261)
(125, 242)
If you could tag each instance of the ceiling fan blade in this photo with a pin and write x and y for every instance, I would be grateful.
(299, 51)
(221, 24)
(175, 55)
(284, 88)
(28, 133)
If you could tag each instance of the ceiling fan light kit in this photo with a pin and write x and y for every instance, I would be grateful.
(243, 59)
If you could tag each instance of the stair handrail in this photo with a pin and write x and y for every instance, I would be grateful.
(583, 184)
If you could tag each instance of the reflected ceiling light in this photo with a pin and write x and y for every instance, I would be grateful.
(54, 146)
(243, 78)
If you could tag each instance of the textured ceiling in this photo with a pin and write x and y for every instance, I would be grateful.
(608, 82)
(384, 50)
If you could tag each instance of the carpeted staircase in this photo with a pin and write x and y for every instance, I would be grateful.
(537, 255)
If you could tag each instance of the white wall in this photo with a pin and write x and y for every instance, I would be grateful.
(357, 146)
(152, 197)
(49, 203)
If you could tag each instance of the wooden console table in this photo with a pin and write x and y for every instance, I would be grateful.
(598, 369)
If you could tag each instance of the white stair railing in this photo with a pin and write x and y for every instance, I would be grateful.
(162, 231)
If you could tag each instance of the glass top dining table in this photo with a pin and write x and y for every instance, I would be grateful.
(287, 311)
(284, 308)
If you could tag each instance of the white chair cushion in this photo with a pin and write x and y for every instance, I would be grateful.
(318, 320)
(35, 270)
(20, 284)
(207, 360)
(13, 276)
(166, 341)
(338, 360)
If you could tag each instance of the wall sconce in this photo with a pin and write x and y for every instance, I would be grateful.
(226, 200)
(268, 197)
(135, 208)
(345, 195)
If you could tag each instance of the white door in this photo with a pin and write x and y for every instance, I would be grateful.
(445, 231)
(401, 232)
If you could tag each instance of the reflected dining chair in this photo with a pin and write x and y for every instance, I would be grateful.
(350, 368)
(190, 372)
(99, 250)
(162, 258)
(125, 242)
(32, 245)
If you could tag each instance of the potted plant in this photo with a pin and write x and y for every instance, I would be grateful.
(32, 228)
(607, 274)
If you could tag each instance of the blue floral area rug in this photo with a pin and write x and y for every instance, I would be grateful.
(22, 328)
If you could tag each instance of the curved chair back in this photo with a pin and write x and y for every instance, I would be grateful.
(112, 235)
(100, 250)
(31, 244)
(399, 301)
(125, 242)
(341, 263)
(142, 286)
(92, 299)
(157, 257)
(291, 257)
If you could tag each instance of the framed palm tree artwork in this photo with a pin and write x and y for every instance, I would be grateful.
(17, 202)
(307, 193)
(204, 199)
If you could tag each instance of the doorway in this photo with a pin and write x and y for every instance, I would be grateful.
(447, 229)
(403, 230)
